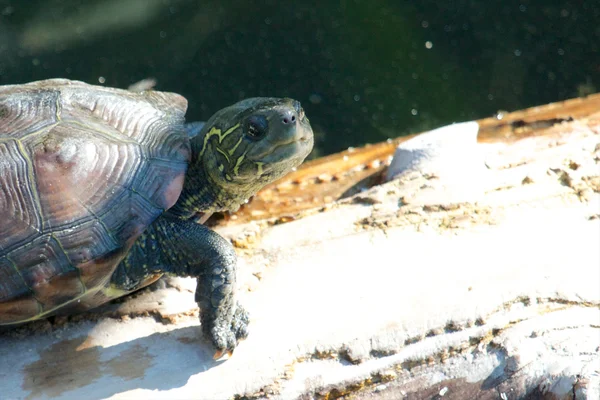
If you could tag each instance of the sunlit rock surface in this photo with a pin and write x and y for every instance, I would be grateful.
(397, 291)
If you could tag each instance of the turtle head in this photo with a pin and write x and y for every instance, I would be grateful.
(247, 146)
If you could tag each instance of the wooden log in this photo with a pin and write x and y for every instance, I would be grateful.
(394, 292)
(327, 179)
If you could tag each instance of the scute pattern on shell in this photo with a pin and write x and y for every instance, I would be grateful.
(83, 171)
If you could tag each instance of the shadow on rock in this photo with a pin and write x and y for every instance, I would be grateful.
(72, 368)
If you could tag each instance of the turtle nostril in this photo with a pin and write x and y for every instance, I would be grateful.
(289, 118)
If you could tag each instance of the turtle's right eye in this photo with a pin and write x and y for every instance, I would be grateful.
(256, 127)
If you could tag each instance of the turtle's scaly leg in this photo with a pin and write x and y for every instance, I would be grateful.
(184, 248)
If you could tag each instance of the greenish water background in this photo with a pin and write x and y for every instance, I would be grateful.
(363, 70)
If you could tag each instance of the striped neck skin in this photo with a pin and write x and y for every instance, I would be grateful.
(239, 150)
(201, 194)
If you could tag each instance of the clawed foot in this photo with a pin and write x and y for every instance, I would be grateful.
(225, 333)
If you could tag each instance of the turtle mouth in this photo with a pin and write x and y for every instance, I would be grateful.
(288, 152)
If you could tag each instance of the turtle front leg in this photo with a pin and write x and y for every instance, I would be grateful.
(184, 248)
(213, 261)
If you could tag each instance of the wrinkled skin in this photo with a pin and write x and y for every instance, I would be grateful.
(101, 189)
(240, 149)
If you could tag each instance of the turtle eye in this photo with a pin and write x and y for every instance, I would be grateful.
(256, 127)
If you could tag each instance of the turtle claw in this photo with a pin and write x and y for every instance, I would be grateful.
(220, 353)
(226, 333)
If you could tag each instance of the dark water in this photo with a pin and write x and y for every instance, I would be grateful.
(364, 70)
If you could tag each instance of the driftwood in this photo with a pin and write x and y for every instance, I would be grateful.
(475, 273)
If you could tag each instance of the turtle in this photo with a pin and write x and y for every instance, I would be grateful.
(101, 190)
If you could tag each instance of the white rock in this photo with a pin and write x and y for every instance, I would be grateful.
(449, 156)
(507, 303)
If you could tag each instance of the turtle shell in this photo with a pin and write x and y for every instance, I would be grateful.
(83, 171)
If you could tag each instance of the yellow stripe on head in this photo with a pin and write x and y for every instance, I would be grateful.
(259, 167)
(214, 131)
(224, 154)
(237, 164)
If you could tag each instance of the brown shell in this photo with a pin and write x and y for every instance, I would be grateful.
(83, 171)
